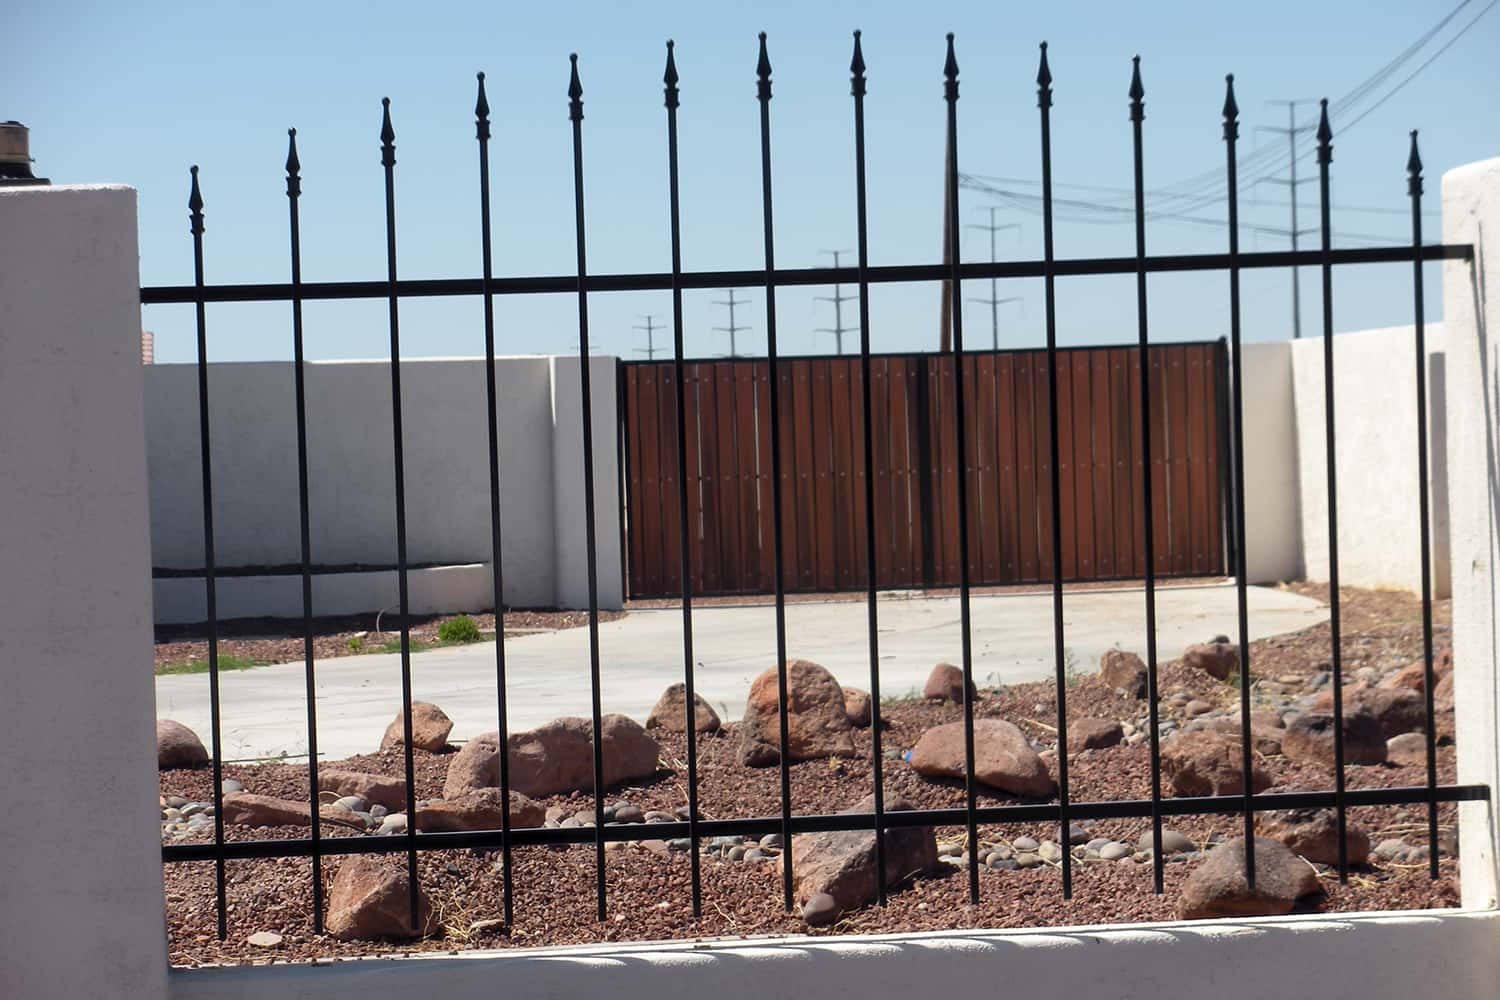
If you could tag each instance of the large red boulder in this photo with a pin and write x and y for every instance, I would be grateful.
(1218, 887)
(841, 864)
(1314, 834)
(1003, 758)
(1206, 762)
(817, 720)
(384, 789)
(370, 900)
(479, 810)
(556, 757)
(1309, 738)
(178, 746)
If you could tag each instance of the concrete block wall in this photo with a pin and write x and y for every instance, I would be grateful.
(351, 490)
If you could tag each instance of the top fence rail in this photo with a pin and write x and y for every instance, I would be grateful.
(953, 271)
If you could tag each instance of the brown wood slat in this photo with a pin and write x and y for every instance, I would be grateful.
(905, 538)
(767, 524)
(820, 431)
(1122, 454)
(1161, 480)
(1102, 469)
(797, 447)
(1213, 407)
(845, 554)
(1007, 508)
(649, 520)
(856, 478)
(1046, 505)
(1027, 485)
(636, 568)
(1197, 463)
(1067, 466)
(880, 469)
(670, 547)
(946, 455)
(1083, 466)
(751, 580)
(984, 503)
(1180, 510)
(726, 480)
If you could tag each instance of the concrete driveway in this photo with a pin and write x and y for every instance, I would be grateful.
(264, 709)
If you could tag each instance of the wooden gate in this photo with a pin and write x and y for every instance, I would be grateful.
(915, 467)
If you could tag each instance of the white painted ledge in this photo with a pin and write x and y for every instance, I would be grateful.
(1432, 955)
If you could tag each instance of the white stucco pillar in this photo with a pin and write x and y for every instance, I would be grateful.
(81, 911)
(1471, 314)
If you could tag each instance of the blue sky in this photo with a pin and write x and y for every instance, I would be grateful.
(137, 93)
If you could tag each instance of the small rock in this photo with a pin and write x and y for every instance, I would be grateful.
(1024, 844)
(1092, 734)
(1196, 708)
(1049, 852)
(264, 939)
(178, 746)
(393, 823)
(1115, 851)
(1389, 849)
(1172, 842)
(820, 910)
(670, 712)
(857, 707)
(1077, 834)
(1217, 659)
(1407, 750)
(681, 844)
(1124, 672)
(353, 803)
(771, 840)
(230, 786)
(430, 727)
(756, 854)
(1027, 860)
(736, 853)
(629, 814)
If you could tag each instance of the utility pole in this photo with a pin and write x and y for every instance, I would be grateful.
(993, 301)
(1291, 183)
(650, 349)
(732, 328)
(838, 298)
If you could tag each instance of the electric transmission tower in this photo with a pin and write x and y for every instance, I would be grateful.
(1291, 181)
(994, 300)
(733, 328)
(650, 349)
(838, 298)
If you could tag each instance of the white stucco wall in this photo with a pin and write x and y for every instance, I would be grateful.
(1273, 542)
(79, 916)
(351, 487)
(1471, 310)
(1375, 400)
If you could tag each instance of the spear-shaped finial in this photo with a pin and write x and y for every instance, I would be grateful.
(763, 71)
(1414, 168)
(1137, 91)
(857, 69)
(1325, 135)
(482, 112)
(1043, 81)
(1231, 110)
(950, 72)
(293, 165)
(387, 135)
(195, 203)
(670, 76)
(575, 90)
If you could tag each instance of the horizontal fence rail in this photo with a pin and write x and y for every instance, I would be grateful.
(971, 539)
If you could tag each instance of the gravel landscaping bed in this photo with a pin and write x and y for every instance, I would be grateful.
(1020, 881)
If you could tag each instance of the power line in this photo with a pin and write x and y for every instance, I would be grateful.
(733, 328)
(1291, 182)
(838, 298)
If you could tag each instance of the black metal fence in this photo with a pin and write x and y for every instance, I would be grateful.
(393, 289)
